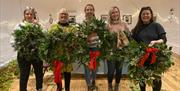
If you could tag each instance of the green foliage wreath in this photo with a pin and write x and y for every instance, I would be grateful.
(148, 72)
(30, 41)
(107, 40)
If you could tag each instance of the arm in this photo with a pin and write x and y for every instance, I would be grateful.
(156, 42)
(161, 34)
(17, 27)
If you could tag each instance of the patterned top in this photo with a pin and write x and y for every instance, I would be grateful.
(93, 40)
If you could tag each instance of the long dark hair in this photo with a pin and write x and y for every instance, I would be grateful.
(140, 22)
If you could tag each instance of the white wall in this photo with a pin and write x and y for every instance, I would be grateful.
(11, 13)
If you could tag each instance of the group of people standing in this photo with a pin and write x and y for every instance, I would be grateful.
(146, 30)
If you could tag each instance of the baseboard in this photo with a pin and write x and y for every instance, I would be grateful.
(98, 76)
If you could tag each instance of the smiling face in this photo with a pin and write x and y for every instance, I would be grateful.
(146, 16)
(89, 11)
(114, 14)
(28, 15)
(63, 16)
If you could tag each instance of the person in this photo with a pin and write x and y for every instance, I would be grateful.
(150, 33)
(63, 23)
(115, 25)
(93, 42)
(24, 61)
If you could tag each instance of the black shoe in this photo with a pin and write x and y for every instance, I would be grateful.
(93, 83)
(39, 89)
(90, 88)
(110, 87)
(116, 87)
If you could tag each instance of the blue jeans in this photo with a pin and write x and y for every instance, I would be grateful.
(112, 67)
(90, 75)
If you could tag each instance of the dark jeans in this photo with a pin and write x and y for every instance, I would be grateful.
(112, 67)
(25, 66)
(67, 79)
(156, 85)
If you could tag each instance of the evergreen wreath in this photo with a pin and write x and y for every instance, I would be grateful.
(30, 41)
(148, 71)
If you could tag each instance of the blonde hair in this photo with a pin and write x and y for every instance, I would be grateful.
(63, 10)
(110, 11)
(32, 10)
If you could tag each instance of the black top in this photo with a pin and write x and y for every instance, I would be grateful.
(149, 32)
(63, 24)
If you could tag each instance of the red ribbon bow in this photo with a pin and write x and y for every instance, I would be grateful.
(93, 57)
(57, 71)
(145, 57)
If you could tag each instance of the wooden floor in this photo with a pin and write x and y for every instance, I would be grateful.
(171, 81)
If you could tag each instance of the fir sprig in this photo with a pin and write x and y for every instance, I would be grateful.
(62, 44)
(149, 72)
(108, 40)
(30, 41)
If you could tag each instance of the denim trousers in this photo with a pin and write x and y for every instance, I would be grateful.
(90, 75)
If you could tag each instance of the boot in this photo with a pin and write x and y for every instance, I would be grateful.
(93, 85)
(90, 88)
(67, 89)
(39, 89)
(116, 87)
(110, 87)
(59, 87)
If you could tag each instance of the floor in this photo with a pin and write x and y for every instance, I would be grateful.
(171, 81)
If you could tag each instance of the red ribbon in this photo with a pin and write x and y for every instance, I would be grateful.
(93, 57)
(57, 71)
(145, 57)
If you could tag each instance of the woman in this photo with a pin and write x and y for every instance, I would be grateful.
(115, 25)
(67, 68)
(93, 42)
(24, 61)
(151, 33)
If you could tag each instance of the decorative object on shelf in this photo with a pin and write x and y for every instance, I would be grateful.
(104, 17)
(172, 18)
(72, 19)
(50, 19)
(127, 19)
